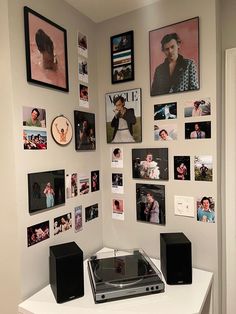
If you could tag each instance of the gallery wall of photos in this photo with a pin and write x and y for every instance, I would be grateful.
(109, 152)
(47, 65)
(152, 164)
(123, 111)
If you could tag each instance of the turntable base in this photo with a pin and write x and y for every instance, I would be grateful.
(123, 274)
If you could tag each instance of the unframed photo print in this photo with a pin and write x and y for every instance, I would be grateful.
(34, 117)
(36, 140)
(198, 130)
(38, 233)
(118, 209)
(91, 212)
(117, 157)
(83, 96)
(165, 132)
(84, 185)
(117, 183)
(206, 209)
(165, 111)
(83, 69)
(78, 218)
(197, 108)
(62, 223)
(203, 168)
(82, 45)
(182, 167)
(71, 185)
(95, 181)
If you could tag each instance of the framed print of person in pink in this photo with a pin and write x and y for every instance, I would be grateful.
(174, 58)
(46, 51)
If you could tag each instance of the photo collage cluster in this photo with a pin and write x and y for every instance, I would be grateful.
(83, 70)
(173, 69)
(50, 189)
(47, 65)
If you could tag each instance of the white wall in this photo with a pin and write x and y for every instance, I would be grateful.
(9, 270)
(131, 233)
(34, 260)
(228, 11)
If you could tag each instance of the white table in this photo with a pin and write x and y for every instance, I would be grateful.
(181, 299)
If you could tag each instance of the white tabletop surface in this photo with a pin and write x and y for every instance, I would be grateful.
(180, 299)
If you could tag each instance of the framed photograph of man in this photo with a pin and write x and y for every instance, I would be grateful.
(124, 116)
(78, 218)
(122, 57)
(150, 163)
(46, 51)
(150, 203)
(174, 58)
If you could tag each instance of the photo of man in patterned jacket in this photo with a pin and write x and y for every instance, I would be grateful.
(175, 74)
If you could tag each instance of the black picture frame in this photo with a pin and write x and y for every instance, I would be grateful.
(183, 38)
(46, 51)
(87, 140)
(42, 196)
(122, 57)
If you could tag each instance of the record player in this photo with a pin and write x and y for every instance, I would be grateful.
(123, 274)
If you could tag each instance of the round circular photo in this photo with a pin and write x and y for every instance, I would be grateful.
(61, 130)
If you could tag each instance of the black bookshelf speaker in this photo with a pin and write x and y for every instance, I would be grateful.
(66, 271)
(176, 258)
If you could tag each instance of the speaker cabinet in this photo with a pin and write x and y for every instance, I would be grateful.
(176, 258)
(66, 271)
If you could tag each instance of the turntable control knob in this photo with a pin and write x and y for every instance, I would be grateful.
(147, 289)
(103, 296)
(152, 288)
